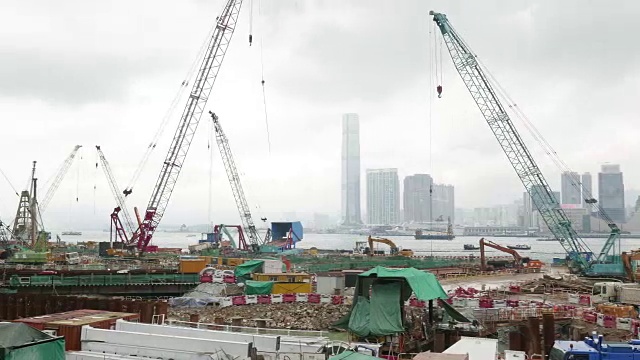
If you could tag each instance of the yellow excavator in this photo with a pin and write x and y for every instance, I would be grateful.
(628, 261)
(394, 249)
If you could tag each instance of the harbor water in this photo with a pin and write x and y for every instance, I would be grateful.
(543, 250)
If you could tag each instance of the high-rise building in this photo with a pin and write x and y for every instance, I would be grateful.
(443, 202)
(383, 197)
(611, 192)
(351, 170)
(416, 198)
(587, 189)
(570, 187)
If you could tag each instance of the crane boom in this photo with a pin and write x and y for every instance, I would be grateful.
(62, 171)
(512, 144)
(117, 194)
(234, 181)
(189, 121)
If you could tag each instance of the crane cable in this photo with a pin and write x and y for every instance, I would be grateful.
(169, 113)
(264, 100)
(9, 182)
(531, 128)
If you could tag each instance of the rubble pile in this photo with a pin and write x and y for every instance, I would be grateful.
(299, 316)
(548, 283)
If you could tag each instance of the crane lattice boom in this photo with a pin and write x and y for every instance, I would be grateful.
(128, 222)
(512, 144)
(62, 171)
(189, 121)
(234, 181)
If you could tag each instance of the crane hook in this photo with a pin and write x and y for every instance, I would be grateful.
(439, 90)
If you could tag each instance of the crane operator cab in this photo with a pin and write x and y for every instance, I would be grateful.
(594, 348)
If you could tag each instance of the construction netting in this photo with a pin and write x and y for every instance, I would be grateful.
(324, 264)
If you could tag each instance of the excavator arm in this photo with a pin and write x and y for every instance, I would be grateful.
(392, 245)
(493, 245)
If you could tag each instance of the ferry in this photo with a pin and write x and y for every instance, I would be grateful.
(471, 247)
(519, 247)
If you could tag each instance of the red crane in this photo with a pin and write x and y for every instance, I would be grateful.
(172, 165)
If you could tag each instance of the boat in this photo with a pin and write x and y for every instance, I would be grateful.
(191, 235)
(71, 233)
(471, 247)
(546, 239)
(436, 235)
(519, 247)
(420, 235)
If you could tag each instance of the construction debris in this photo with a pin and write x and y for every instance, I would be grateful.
(299, 316)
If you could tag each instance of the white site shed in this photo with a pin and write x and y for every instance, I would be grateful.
(476, 348)
(328, 283)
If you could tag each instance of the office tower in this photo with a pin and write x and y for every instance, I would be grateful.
(443, 202)
(383, 196)
(351, 170)
(416, 198)
(587, 189)
(570, 187)
(527, 211)
(611, 192)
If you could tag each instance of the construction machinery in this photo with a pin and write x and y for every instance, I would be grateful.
(394, 248)
(519, 261)
(594, 347)
(236, 188)
(57, 180)
(189, 120)
(485, 95)
(117, 227)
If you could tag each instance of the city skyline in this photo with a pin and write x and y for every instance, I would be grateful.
(317, 63)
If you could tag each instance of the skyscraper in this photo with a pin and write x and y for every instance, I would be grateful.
(611, 192)
(383, 197)
(443, 202)
(570, 187)
(351, 170)
(416, 199)
(587, 189)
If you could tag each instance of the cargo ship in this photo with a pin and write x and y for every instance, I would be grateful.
(436, 235)
(75, 233)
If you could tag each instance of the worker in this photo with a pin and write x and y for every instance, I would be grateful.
(439, 90)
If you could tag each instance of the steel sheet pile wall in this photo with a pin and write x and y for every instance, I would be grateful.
(16, 306)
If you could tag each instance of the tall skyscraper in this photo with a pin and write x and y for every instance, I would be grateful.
(443, 202)
(383, 197)
(587, 189)
(570, 187)
(351, 170)
(611, 192)
(416, 198)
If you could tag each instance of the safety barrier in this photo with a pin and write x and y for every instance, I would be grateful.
(611, 321)
(311, 298)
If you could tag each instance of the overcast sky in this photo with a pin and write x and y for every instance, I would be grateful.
(78, 72)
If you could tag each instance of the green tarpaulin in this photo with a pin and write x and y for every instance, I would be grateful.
(257, 287)
(244, 270)
(381, 313)
(424, 285)
(20, 341)
(385, 307)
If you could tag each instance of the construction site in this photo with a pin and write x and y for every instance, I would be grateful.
(245, 293)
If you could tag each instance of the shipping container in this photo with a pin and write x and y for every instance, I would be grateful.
(283, 277)
(291, 288)
(69, 324)
(191, 266)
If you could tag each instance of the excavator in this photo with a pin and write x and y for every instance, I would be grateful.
(394, 249)
(628, 261)
(520, 262)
